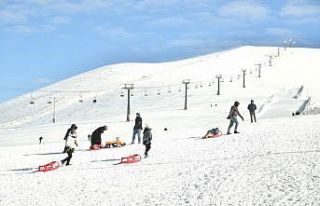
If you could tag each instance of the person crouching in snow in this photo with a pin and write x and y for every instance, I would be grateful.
(71, 144)
(96, 135)
(211, 132)
(147, 137)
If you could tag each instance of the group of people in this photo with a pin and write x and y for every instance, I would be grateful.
(147, 135)
(234, 113)
(95, 138)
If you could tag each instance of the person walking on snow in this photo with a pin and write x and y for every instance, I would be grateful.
(234, 112)
(72, 129)
(147, 137)
(137, 128)
(252, 109)
(40, 139)
(71, 144)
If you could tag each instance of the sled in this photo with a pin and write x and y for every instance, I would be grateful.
(130, 159)
(213, 135)
(49, 167)
(95, 147)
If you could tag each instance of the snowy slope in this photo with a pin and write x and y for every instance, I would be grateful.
(272, 162)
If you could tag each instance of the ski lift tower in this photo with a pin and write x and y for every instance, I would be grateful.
(54, 109)
(186, 82)
(219, 76)
(259, 70)
(244, 78)
(128, 87)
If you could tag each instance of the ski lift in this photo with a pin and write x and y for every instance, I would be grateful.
(169, 90)
(196, 87)
(145, 93)
(158, 93)
(201, 85)
(49, 102)
(94, 100)
(179, 89)
(209, 84)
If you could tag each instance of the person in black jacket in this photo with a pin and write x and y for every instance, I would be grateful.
(137, 128)
(40, 139)
(96, 135)
(147, 137)
(252, 109)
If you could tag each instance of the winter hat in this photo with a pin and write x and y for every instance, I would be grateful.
(236, 103)
(74, 126)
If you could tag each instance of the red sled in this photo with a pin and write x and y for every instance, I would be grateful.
(95, 147)
(213, 135)
(49, 167)
(130, 159)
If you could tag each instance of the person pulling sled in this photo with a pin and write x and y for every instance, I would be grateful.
(70, 132)
(71, 144)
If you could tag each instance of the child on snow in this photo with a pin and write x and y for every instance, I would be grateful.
(211, 132)
(147, 137)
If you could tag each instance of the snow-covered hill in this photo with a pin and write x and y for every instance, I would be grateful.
(272, 162)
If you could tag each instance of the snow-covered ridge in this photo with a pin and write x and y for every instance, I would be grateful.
(293, 68)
